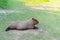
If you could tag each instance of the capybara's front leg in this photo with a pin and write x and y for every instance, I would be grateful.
(34, 27)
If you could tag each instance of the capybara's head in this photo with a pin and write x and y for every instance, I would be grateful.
(35, 21)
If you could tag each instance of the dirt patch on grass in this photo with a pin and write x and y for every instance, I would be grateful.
(53, 8)
(18, 34)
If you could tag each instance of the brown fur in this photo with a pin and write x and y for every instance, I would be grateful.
(23, 25)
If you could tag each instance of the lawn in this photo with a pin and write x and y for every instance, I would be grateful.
(49, 25)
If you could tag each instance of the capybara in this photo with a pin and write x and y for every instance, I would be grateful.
(23, 25)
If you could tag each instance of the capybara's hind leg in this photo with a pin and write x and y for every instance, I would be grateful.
(7, 29)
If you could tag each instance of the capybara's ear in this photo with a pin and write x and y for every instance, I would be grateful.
(33, 19)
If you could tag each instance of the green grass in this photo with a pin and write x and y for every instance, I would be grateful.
(11, 4)
(49, 21)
